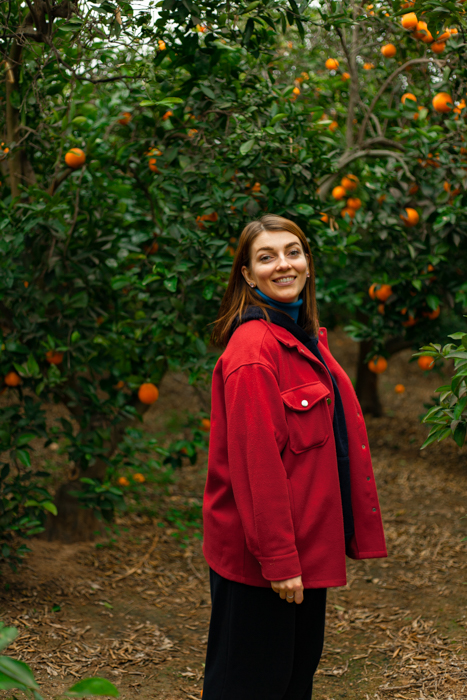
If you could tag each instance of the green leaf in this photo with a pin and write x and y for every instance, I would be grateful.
(24, 439)
(208, 92)
(7, 636)
(247, 146)
(17, 671)
(93, 686)
(277, 118)
(48, 505)
(24, 457)
(459, 434)
(33, 367)
(171, 284)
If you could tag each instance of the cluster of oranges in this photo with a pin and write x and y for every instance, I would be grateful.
(349, 183)
(213, 217)
(53, 357)
(139, 478)
(382, 292)
(421, 32)
(152, 162)
(378, 364)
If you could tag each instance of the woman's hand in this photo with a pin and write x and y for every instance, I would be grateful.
(290, 590)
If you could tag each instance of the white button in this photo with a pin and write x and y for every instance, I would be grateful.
(321, 332)
(363, 447)
(304, 402)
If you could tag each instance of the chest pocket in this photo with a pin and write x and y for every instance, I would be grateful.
(308, 417)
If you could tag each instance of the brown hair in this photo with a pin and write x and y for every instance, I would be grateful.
(239, 295)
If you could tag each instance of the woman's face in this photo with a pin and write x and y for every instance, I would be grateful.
(278, 265)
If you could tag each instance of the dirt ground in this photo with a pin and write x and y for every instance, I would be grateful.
(135, 608)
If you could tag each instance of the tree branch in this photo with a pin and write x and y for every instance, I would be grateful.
(326, 183)
(383, 87)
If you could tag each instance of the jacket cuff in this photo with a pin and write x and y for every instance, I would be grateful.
(280, 568)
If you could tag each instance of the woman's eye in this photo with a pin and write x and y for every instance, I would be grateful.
(295, 252)
(265, 258)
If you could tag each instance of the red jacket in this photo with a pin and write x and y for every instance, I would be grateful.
(272, 506)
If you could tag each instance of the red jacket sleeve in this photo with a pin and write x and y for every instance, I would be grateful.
(256, 435)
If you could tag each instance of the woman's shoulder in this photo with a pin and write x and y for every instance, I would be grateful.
(251, 343)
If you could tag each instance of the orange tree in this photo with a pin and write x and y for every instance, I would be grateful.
(386, 83)
(134, 150)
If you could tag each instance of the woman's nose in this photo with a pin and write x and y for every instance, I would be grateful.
(283, 262)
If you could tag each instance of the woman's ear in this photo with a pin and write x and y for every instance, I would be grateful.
(245, 273)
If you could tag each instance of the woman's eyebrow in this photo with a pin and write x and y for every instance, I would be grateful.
(270, 248)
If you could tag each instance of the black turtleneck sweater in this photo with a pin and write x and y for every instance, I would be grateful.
(339, 424)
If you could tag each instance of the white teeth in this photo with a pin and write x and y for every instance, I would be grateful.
(285, 279)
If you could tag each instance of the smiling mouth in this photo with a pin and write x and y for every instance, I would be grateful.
(284, 280)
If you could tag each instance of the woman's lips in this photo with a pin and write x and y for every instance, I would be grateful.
(284, 281)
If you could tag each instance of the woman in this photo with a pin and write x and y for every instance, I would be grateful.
(290, 488)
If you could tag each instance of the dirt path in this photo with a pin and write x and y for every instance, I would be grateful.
(137, 609)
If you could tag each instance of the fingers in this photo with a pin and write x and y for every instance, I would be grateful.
(299, 596)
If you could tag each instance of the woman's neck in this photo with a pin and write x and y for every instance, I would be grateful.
(291, 307)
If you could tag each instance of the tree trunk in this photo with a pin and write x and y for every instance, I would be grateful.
(73, 522)
(12, 117)
(367, 383)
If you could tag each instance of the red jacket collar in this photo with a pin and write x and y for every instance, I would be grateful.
(290, 341)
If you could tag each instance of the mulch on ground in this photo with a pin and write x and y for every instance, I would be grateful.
(136, 609)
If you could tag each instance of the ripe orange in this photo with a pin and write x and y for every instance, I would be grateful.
(423, 33)
(383, 292)
(412, 217)
(409, 21)
(332, 64)
(125, 118)
(12, 379)
(54, 357)
(205, 425)
(161, 44)
(167, 115)
(123, 481)
(380, 308)
(444, 36)
(442, 102)
(350, 182)
(296, 91)
(148, 393)
(354, 203)
(120, 384)
(378, 364)
(408, 96)
(324, 218)
(345, 76)
(75, 158)
(411, 321)
(399, 388)
(139, 478)
(432, 314)
(192, 132)
(152, 165)
(333, 126)
(426, 362)
(348, 211)
(256, 188)
(388, 50)
(153, 248)
(26, 283)
(438, 46)
(339, 192)
(446, 186)
(368, 66)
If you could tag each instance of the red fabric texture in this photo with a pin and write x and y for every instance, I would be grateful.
(272, 507)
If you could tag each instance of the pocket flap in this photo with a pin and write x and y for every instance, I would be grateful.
(302, 398)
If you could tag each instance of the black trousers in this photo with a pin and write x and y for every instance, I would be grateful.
(260, 647)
